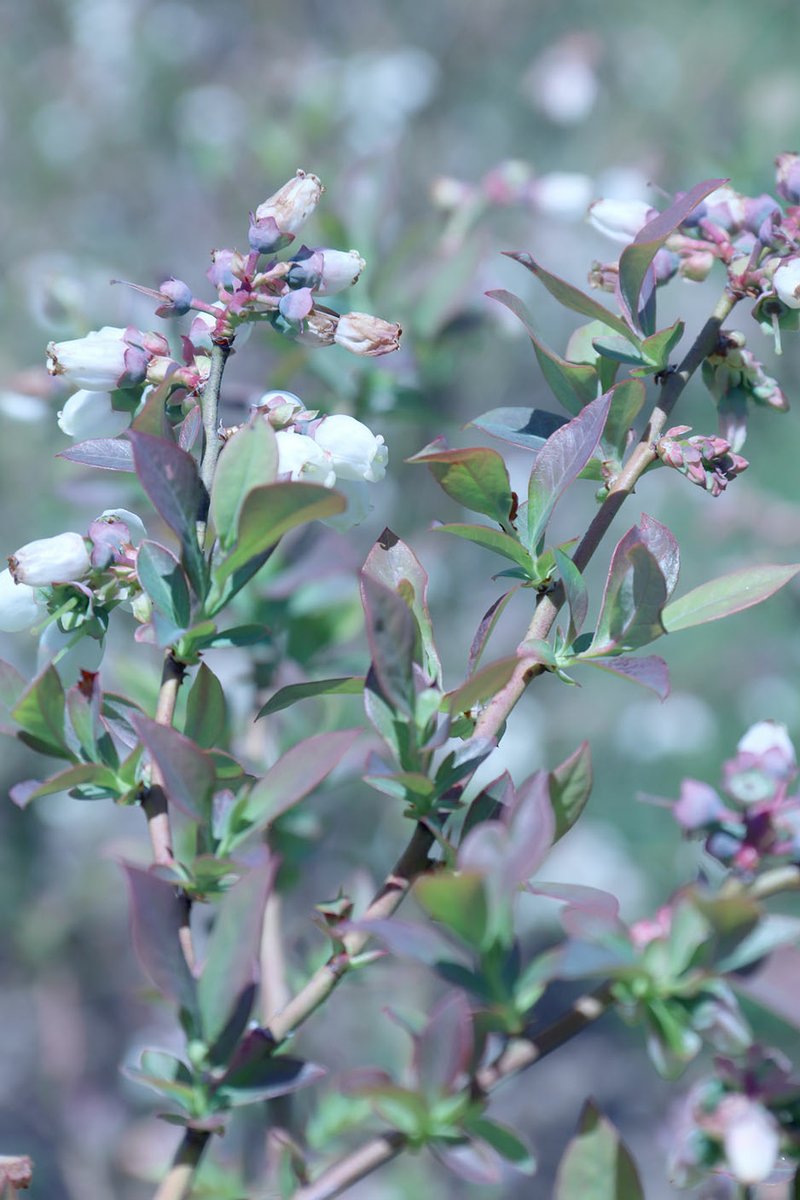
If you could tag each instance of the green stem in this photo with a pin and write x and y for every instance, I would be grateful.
(210, 406)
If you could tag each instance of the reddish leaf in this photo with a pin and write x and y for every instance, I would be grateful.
(443, 1051)
(295, 774)
(392, 563)
(188, 773)
(109, 454)
(157, 917)
(651, 671)
(391, 632)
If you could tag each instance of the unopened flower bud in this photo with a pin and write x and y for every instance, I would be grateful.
(19, 607)
(280, 408)
(227, 266)
(302, 459)
(786, 282)
(760, 213)
(696, 266)
(788, 177)
(751, 1139)
(604, 276)
(620, 220)
(133, 523)
(100, 362)
(361, 333)
(292, 205)
(340, 270)
(449, 194)
(665, 265)
(355, 451)
(319, 329)
(725, 208)
(264, 236)
(58, 559)
(177, 298)
(90, 415)
(295, 306)
(305, 269)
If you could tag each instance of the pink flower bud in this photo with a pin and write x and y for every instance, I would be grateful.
(19, 606)
(292, 205)
(90, 415)
(788, 177)
(620, 220)
(363, 334)
(226, 267)
(100, 362)
(696, 266)
(58, 559)
(177, 298)
(786, 282)
(355, 452)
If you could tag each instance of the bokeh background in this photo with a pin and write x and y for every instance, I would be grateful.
(135, 135)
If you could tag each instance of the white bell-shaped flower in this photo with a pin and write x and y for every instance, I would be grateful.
(19, 605)
(97, 362)
(786, 282)
(620, 220)
(89, 415)
(58, 559)
(302, 459)
(356, 452)
(292, 205)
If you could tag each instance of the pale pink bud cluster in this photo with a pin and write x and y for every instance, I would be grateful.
(706, 461)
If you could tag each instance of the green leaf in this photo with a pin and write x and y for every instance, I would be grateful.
(618, 349)
(157, 918)
(457, 901)
(596, 1164)
(392, 636)
(347, 685)
(40, 713)
(634, 595)
(627, 398)
(101, 778)
(570, 786)
(482, 685)
(475, 477)
(206, 710)
(575, 590)
(729, 594)
(248, 460)
(528, 427)
(504, 1141)
(573, 384)
(187, 771)
(266, 1079)
(658, 347)
(162, 577)
(12, 685)
(649, 671)
(170, 477)
(492, 539)
(269, 512)
(392, 563)
(572, 298)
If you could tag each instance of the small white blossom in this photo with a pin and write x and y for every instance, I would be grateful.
(355, 451)
(302, 459)
(292, 205)
(58, 559)
(340, 269)
(357, 495)
(98, 362)
(620, 220)
(752, 1142)
(786, 282)
(19, 605)
(90, 415)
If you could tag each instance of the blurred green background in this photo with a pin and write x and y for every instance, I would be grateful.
(135, 136)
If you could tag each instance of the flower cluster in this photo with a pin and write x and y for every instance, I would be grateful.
(759, 820)
(736, 1120)
(708, 462)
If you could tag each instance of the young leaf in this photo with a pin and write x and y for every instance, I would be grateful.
(572, 298)
(627, 399)
(559, 462)
(634, 595)
(457, 902)
(206, 710)
(393, 563)
(443, 1050)
(169, 476)
(100, 777)
(295, 774)
(485, 629)
(596, 1165)
(658, 347)
(481, 685)
(162, 577)
(188, 773)
(347, 685)
(492, 539)
(40, 712)
(269, 512)
(503, 1141)
(391, 632)
(575, 590)
(528, 427)
(573, 384)
(636, 258)
(651, 671)
(570, 786)
(248, 460)
(109, 454)
(157, 918)
(475, 477)
(266, 1079)
(729, 594)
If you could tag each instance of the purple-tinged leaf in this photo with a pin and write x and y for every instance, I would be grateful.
(100, 777)
(650, 672)
(559, 462)
(392, 563)
(627, 399)
(170, 478)
(482, 685)
(492, 539)
(570, 788)
(166, 1075)
(508, 851)
(12, 685)
(267, 1079)
(40, 711)
(164, 581)
(574, 299)
(157, 918)
(771, 932)
(268, 512)
(231, 964)
(109, 454)
(409, 939)
(206, 709)
(443, 1051)
(475, 477)
(475, 1161)
(636, 258)
(347, 685)
(190, 429)
(295, 774)
(658, 347)
(186, 770)
(503, 1141)
(457, 901)
(634, 595)
(727, 595)
(527, 427)
(573, 384)
(578, 895)
(774, 984)
(662, 544)
(575, 591)
(485, 629)
(392, 636)
(248, 460)
(596, 1164)
(83, 703)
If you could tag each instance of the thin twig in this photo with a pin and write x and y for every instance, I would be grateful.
(178, 1181)
(155, 800)
(275, 992)
(211, 391)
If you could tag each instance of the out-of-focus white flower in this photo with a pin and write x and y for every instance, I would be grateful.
(85, 655)
(357, 495)
(292, 205)
(562, 82)
(99, 362)
(562, 193)
(340, 269)
(90, 415)
(302, 459)
(355, 451)
(135, 524)
(361, 333)
(786, 282)
(751, 1140)
(58, 559)
(620, 220)
(19, 605)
